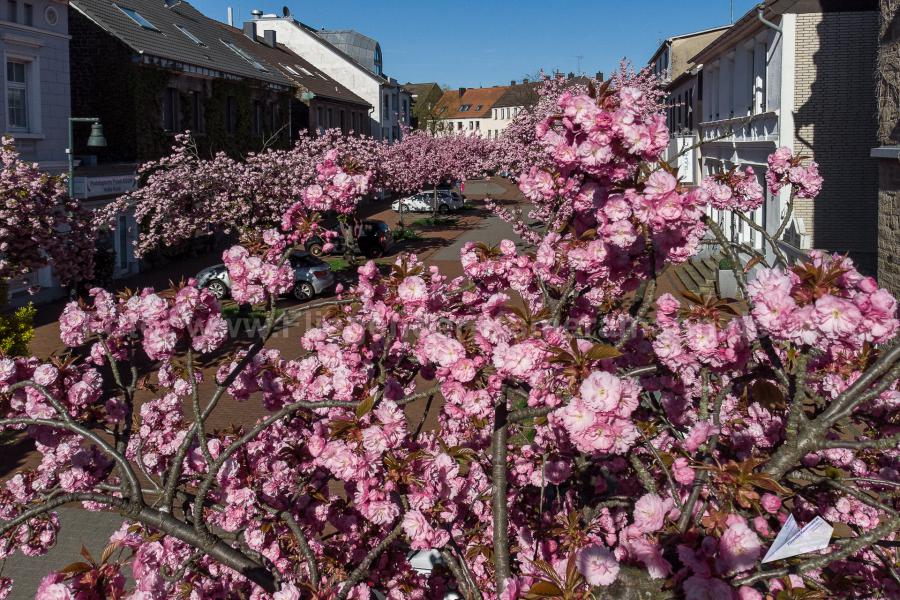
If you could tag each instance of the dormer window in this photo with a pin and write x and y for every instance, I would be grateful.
(465, 108)
(478, 108)
(137, 18)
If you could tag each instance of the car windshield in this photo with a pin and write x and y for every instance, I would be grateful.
(305, 260)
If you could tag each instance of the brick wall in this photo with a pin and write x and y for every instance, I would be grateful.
(888, 97)
(835, 123)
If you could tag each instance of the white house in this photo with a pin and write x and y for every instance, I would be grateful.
(469, 111)
(353, 60)
(799, 73)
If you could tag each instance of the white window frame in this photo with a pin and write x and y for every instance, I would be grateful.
(32, 95)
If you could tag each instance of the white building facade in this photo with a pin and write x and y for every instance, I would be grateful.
(390, 102)
(799, 76)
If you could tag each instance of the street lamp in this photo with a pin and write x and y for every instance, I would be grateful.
(97, 140)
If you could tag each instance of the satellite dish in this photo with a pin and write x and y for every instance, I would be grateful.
(285, 11)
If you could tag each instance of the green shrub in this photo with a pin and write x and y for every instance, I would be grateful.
(16, 328)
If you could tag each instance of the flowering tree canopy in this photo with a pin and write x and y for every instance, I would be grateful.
(39, 224)
(588, 434)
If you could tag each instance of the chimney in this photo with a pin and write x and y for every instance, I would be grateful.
(269, 38)
(512, 82)
(570, 75)
(525, 81)
(461, 92)
(600, 76)
(250, 29)
(230, 16)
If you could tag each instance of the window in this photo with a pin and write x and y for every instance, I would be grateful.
(690, 109)
(17, 95)
(257, 117)
(343, 123)
(12, 11)
(189, 35)
(320, 119)
(680, 122)
(170, 109)
(197, 121)
(137, 18)
(477, 124)
(378, 61)
(29, 15)
(307, 71)
(243, 54)
(291, 70)
(465, 108)
(478, 108)
(459, 126)
(386, 106)
(231, 115)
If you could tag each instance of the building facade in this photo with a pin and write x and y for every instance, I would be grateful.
(800, 75)
(469, 111)
(682, 80)
(34, 42)
(150, 71)
(887, 153)
(353, 60)
(317, 102)
(424, 97)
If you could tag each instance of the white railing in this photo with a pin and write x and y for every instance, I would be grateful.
(752, 128)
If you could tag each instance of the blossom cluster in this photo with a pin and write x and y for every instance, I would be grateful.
(734, 190)
(191, 314)
(787, 169)
(824, 303)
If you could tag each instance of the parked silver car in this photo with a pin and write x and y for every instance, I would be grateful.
(311, 277)
(446, 201)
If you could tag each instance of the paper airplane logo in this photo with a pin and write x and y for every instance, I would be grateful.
(793, 541)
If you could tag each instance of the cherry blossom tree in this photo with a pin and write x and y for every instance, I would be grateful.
(39, 224)
(589, 435)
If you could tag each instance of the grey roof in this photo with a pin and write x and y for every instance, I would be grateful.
(303, 73)
(523, 94)
(357, 46)
(170, 44)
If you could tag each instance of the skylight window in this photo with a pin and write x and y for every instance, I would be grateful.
(306, 71)
(465, 107)
(190, 36)
(243, 54)
(290, 70)
(137, 18)
(477, 108)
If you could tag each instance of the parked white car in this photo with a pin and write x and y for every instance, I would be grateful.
(446, 201)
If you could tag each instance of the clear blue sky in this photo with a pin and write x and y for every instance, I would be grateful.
(490, 42)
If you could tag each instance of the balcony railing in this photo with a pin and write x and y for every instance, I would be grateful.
(762, 127)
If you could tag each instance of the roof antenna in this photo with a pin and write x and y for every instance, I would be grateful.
(732, 12)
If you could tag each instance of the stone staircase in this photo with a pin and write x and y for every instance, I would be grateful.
(699, 275)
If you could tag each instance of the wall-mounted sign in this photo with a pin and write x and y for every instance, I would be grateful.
(104, 185)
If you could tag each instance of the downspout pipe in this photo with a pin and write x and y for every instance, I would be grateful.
(761, 15)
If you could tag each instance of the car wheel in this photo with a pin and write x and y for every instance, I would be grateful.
(443, 209)
(303, 290)
(217, 289)
(315, 249)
